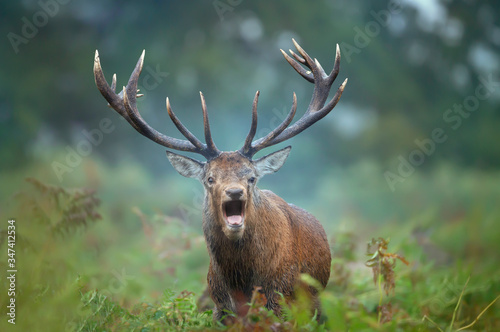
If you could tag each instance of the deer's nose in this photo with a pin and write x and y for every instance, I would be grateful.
(234, 193)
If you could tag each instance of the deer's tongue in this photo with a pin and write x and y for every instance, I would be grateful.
(234, 220)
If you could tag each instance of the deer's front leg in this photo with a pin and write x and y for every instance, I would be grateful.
(219, 294)
(283, 285)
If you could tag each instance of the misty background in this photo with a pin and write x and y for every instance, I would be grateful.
(410, 151)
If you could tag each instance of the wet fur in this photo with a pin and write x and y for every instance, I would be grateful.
(275, 244)
(280, 242)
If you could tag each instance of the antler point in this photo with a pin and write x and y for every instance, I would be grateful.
(141, 59)
(202, 97)
(298, 47)
(113, 83)
(97, 62)
(125, 97)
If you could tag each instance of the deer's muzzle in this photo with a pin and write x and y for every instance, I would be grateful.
(234, 213)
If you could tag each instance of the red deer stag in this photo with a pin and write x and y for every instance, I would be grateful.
(254, 238)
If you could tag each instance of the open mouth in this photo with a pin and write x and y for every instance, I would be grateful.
(234, 213)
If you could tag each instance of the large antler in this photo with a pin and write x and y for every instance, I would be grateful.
(316, 110)
(125, 104)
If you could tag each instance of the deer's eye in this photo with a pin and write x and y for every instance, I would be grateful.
(251, 180)
(210, 180)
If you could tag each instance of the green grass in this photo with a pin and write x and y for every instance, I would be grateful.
(142, 266)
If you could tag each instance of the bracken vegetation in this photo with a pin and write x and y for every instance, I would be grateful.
(79, 273)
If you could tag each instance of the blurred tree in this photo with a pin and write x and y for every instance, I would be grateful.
(408, 62)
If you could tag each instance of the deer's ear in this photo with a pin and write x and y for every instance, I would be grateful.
(272, 162)
(186, 166)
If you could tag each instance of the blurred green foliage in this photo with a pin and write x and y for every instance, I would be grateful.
(404, 73)
(145, 268)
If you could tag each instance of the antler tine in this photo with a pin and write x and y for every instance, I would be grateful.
(320, 69)
(298, 68)
(211, 148)
(182, 129)
(130, 91)
(317, 108)
(309, 118)
(113, 82)
(125, 104)
(307, 58)
(333, 102)
(278, 130)
(297, 57)
(253, 128)
(310, 63)
(108, 92)
(154, 135)
(268, 140)
(336, 66)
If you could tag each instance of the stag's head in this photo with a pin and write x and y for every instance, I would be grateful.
(230, 182)
(229, 178)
